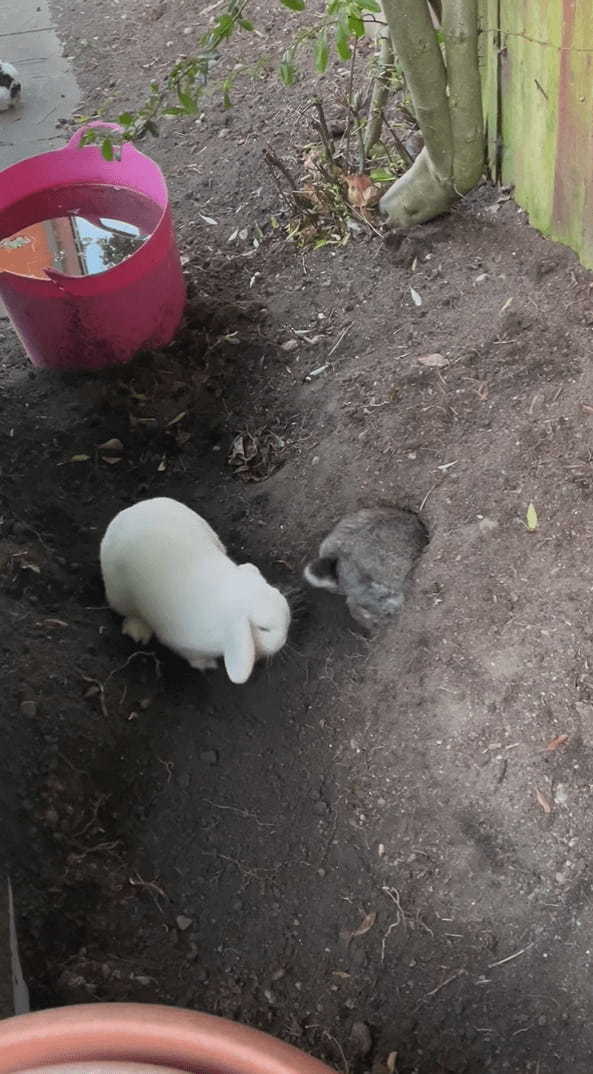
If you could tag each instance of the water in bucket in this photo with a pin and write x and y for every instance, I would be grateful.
(88, 229)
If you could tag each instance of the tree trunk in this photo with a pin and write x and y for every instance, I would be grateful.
(374, 125)
(447, 103)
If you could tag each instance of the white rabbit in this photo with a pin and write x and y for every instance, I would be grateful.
(168, 573)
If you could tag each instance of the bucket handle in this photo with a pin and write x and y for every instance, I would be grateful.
(75, 140)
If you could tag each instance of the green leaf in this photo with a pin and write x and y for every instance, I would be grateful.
(224, 26)
(342, 43)
(126, 119)
(321, 53)
(294, 5)
(107, 149)
(356, 25)
(371, 5)
(383, 175)
(245, 24)
(532, 519)
(188, 102)
(287, 73)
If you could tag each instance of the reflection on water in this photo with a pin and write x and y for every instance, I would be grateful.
(75, 245)
(79, 231)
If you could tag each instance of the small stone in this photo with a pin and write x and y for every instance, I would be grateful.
(29, 708)
(487, 525)
(361, 1039)
(561, 794)
(183, 922)
(209, 756)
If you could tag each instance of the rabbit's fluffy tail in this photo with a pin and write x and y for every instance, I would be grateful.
(323, 573)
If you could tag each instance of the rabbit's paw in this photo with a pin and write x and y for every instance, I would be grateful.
(203, 663)
(137, 630)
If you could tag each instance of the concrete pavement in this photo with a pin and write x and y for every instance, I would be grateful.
(50, 90)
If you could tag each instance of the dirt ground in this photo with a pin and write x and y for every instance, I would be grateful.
(369, 848)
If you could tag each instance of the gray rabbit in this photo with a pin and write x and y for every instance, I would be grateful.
(367, 558)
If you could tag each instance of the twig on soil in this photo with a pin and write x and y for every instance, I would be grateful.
(427, 497)
(94, 850)
(168, 766)
(326, 1033)
(138, 882)
(100, 688)
(101, 685)
(443, 984)
(101, 798)
(249, 874)
(393, 894)
(341, 336)
(133, 656)
(240, 812)
(509, 958)
(390, 929)
(335, 1041)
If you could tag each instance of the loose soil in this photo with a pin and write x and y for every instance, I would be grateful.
(371, 848)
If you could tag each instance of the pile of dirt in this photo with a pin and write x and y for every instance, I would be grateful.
(377, 849)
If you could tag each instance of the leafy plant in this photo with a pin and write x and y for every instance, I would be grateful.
(181, 91)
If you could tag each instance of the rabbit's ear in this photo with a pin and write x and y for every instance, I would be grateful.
(239, 653)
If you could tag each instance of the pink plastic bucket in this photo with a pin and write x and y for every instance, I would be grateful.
(133, 1038)
(86, 322)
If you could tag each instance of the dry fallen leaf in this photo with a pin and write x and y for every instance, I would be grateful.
(587, 409)
(290, 345)
(391, 1061)
(177, 418)
(365, 926)
(312, 160)
(532, 519)
(416, 298)
(79, 458)
(112, 446)
(437, 360)
(560, 740)
(543, 801)
(362, 192)
(26, 566)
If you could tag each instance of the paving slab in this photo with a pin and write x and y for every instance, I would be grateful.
(50, 91)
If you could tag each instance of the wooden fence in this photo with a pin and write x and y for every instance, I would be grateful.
(537, 62)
